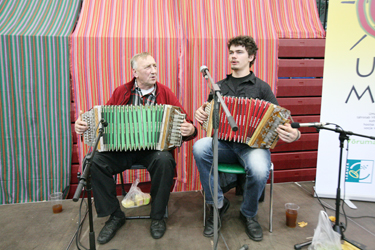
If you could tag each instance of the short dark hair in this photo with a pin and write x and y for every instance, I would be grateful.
(246, 41)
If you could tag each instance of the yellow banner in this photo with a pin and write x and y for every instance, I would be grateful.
(348, 101)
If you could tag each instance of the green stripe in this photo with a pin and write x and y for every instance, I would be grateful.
(35, 98)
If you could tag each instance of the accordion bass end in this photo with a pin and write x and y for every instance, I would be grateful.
(149, 127)
(266, 135)
(170, 128)
(257, 121)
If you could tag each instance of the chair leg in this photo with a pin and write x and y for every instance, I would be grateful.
(241, 179)
(261, 198)
(204, 209)
(122, 185)
(166, 212)
(271, 199)
(147, 216)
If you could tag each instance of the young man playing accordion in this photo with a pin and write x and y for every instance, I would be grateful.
(143, 89)
(256, 161)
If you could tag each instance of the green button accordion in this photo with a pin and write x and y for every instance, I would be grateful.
(130, 128)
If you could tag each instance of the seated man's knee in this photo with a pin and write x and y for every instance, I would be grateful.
(259, 173)
(258, 162)
(202, 146)
(165, 159)
(99, 167)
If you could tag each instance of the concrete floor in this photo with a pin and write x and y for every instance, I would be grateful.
(34, 226)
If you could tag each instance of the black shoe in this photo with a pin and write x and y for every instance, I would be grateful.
(209, 225)
(158, 228)
(110, 228)
(253, 229)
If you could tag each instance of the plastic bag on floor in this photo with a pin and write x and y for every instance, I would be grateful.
(135, 197)
(324, 236)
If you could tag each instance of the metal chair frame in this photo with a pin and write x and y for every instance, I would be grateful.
(124, 193)
(241, 170)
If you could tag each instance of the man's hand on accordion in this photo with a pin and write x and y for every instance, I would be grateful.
(80, 126)
(200, 114)
(287, 133)
(187, 129)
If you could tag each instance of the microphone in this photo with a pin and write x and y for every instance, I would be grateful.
(309, 124)
(203, 70)
(244, 247)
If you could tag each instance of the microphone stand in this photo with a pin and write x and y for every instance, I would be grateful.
(337, 227)
(215, 121)
(85, 180)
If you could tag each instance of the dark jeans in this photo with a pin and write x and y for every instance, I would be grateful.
(256, 162)
(160, 165)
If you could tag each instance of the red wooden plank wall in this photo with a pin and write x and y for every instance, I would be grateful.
(75, 164)
(300, 89)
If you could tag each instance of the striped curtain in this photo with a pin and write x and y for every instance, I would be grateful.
(35, 131)
(296, 19)
(206, 27)
(182, 35)
(108, 34)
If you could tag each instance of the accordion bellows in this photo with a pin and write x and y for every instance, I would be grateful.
(154, 127)
(257, 121)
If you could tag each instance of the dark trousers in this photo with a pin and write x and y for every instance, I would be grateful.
(160, 165)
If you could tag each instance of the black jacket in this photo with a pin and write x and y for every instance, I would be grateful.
(251, 87)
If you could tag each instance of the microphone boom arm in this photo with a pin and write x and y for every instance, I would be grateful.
(216, 91)
(337, 130)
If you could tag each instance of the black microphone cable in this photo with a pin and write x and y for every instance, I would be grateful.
(77, 234)
(79, 228)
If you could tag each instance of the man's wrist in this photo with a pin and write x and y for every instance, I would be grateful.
(298, 136)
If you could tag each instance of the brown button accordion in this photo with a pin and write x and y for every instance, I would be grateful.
(257, 121)
(154, 127)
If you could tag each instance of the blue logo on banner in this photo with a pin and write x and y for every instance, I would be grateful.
(360, 171)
